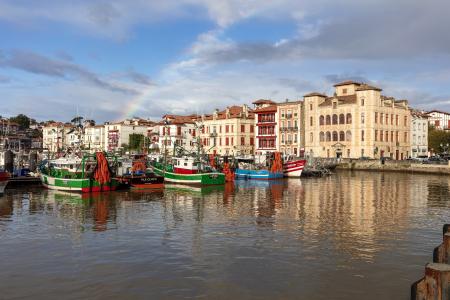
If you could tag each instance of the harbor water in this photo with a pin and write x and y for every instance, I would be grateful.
(353, 235)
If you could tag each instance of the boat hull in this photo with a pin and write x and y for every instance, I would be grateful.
(194, 179)
(257, 174)
(85, 185)
(142, 182)
(294, 168)
(4, 179)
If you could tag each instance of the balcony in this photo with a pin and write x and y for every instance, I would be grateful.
(213, 134)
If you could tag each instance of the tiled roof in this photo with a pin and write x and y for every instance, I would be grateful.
(270, 108)
(350, 99)
(263, 101)
(347, 82)
(366, 87)
(438, 111)
(315, 94)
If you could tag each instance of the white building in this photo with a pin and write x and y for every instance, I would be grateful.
(439, 119)
(117, 135)
(94, 138)
(56, 136)
(178, 131)
(419, 134)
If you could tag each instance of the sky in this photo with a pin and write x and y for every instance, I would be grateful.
(114, 59)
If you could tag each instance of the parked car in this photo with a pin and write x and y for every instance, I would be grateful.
(435, 160)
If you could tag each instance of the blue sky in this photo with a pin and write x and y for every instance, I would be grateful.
(114, 59)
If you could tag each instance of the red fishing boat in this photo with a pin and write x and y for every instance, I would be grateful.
(4, 179)
(294, 167)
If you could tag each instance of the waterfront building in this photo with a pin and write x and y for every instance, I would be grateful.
(357, 121)
(439, 119)
(177, 131)
(117, 135)
(266, 119)
(290, 139)
(228, 132)
(419, 134)
(94, 138)
(55, 136)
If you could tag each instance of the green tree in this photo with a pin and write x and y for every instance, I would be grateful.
(22, 120)
(136, 141)
(437, 137)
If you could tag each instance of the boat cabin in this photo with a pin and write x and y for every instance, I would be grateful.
(185, 165)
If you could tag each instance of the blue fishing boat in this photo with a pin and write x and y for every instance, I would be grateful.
(257, 174)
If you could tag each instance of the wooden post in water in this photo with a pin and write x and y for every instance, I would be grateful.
(435, 285)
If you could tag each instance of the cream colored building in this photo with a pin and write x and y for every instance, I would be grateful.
(117, 134)
(94, 138)
(357, 121)
(57, 136)
(419, 134)
(229, 132)
(290, 129)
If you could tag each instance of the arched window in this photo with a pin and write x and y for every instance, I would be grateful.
(335, 136)
(348, 136)
(328, 136)
(341, 119)
(341, 136)
(328, 120)
(322, 137)
(335, 119)
(349, 118)
(321, 120)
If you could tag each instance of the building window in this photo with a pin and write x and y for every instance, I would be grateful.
(406, 137)
(321, 120)
(376, 135)
(376, 117)
(227, 141)
(310, 106)
(348, 136)
(252, 129)
(328, 137)
(349, 118)
(252, 141)
(362, 101)
(341, 136)
(242, 141)
(392, 136)
(392, 119)
(311, 137)
(387, 119)
(386, 136)
(406, 120)
(322, 137)
(335, 119)
(362, 152)
(362, 118)
(341, 119)
(381, 118)
(335, 136)
(328, 120)
(362, 135)
(227, 128)
(344, 91)
(396, 120)
(334, 104)
(242, 128)
(311, 121)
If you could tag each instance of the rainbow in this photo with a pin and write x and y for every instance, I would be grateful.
(133, 106)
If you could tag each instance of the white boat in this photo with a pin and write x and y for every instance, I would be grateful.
(4, 179)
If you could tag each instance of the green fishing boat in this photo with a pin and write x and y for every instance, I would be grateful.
(91, 173)
(188, 170)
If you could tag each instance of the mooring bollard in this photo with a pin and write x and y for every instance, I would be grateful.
(441, 253)
(435, 285)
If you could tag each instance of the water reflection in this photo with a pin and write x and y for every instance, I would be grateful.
(223, 241)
